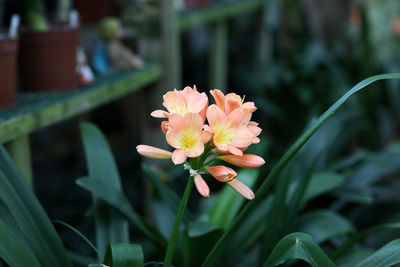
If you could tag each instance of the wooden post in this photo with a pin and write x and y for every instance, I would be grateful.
(171, 46)
(21, 153)
(264, 46)
(219, 57)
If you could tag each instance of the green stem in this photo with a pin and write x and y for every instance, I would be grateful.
(220, 245)
(178, 220)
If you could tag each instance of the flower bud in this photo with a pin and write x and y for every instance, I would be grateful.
(246, 161)
(153, 152)
(222, 173)
(201, 185)
(242, 189)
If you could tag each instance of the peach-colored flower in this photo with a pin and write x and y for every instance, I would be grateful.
(186, 135)
(231, 102)
(228, 134)
(182, 102)
(201, 185)
(246, 161)
(222, 173)
(227, 175)
(241, 188)
(153, 152)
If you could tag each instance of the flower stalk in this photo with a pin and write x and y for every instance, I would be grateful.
(177, 224)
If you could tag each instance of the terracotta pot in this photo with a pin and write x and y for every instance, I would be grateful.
(47, 60)
(8, 68)
(193, 4)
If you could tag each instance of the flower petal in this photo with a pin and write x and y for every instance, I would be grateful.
(178, 156)
(243, 137)
(235, 117)
(159, 114)
(196, 102)
(241, 188)
(165, 127)
(205, 136)
(219, 98)
(173, 138)
(215, 115)
(250, 106)
(235, 151)
(222, 173)
(174, 102)
(153, 152)
(193, 121)
(246, 161)
(201, 185)
(195, 151)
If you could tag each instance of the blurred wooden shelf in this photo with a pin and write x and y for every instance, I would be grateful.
(218, 12)
(38, 110)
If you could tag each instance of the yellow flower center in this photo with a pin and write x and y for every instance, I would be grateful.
(188, 139)
(223, 134)
(178, 107)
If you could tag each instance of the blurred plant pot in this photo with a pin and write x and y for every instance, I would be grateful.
(47, 60)
(193, 4)
(8, 69)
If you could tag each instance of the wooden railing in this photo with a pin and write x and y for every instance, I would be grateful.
(39, 110)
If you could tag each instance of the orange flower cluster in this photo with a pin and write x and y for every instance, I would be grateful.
(227, 135)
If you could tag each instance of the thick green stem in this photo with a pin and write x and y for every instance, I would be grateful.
(177, 224)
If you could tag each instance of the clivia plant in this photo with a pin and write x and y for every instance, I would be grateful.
(198, 145)
(200, 135)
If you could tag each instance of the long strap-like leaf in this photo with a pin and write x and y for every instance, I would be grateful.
(12, 251)
(388, 255)
(29, 215)
(212, 258)
(110, 226)
(108, 193)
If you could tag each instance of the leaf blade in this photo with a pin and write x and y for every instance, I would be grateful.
(298, 246)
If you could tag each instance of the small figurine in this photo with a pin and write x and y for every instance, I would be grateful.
(85, 73)
(110, 54)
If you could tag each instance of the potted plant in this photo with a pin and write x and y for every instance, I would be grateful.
(8, 64)
(47, 56)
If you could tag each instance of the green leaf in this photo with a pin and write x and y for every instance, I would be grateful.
(388, 255)
(354, 257)
(114, 197)
(251, 229)
(80, 259)
(8, 220)
(322, 183)
(298, 246)
(111, 227)
(228, 202)
(124, 255)
(198, 240)
(76, 231)
(27, 213)
(167, 194)
(212, 258)
(324, 224)
(361, 235)
(376, 166)
(12, 251)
